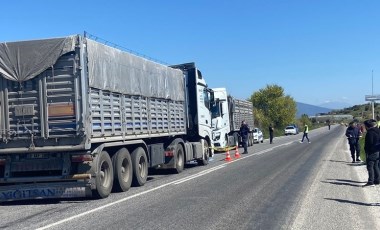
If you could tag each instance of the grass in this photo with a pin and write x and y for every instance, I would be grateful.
(362, 153)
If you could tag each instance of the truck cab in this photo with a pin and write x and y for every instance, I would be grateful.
(221, 119)
(227, 115)
(200, 99)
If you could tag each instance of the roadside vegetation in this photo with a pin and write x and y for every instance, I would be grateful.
(359, 112)
(272, 106)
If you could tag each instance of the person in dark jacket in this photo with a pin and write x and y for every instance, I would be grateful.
(271, 134)
(353, 134)
(244, 132)
(372, 152)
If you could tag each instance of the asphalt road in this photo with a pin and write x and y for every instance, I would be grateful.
(286, 185)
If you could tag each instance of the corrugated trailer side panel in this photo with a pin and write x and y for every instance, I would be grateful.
(132, 97)
(128, 117)
(243, 110)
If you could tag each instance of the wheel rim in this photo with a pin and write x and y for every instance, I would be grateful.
(124, 170)
(105, 172)
(205, 151)
(180, 158)
(142, 167)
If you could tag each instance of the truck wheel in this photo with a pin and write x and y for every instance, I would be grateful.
(206, 154)
(140, 167)
(179, 158)
(122, 166)
(104, 175)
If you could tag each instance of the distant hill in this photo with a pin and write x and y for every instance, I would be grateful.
(335, 105)
(310, 110)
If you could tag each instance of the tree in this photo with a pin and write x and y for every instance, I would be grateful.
(305, 120)
(272, 106)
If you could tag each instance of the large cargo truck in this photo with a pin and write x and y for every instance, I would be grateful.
(227, 115)
(80, 118)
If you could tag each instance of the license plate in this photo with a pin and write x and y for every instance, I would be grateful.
(38, 193)
(37, 156)
(24, 110)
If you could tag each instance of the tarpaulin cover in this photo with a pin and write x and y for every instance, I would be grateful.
(24, 60)
(108, 68)
(118, 71)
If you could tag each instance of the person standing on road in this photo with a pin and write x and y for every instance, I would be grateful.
(305, 134)
(329, 124)
(372, 152)
(353, 134)
(244, 132)
(271, 133)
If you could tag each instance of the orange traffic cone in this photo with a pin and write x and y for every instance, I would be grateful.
(228, 157)
(237, 154)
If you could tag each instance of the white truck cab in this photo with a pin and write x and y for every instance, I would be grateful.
(227, 114)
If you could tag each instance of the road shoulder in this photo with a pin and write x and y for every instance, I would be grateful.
(335, 198)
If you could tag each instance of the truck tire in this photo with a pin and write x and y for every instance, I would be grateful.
(104, 175)
(206, 154)
(179, 158)
(140, 167)
(122, 166)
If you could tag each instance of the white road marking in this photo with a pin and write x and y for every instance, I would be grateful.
(205, 172)
(102, 207)
(199, 174)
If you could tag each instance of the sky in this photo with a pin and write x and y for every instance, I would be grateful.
(318, 51)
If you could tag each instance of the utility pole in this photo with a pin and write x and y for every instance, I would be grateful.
(373, 102)
(372, 99)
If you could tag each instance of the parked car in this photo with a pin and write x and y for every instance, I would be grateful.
(291, 130)
(257, 135)
(295, 126)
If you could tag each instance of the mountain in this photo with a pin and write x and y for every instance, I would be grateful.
(310, 110)
(335, 105)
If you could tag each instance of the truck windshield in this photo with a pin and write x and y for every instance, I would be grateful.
(215, 110)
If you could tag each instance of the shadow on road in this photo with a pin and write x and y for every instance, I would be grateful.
(46, 201)
(349, 163)
(343, 182)
(337, 161)
(353, 202)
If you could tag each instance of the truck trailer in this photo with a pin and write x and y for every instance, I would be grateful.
(227, 115)
(79, 118)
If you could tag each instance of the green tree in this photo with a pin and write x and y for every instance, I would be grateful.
(272, 106)
(305, 120)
